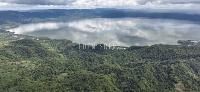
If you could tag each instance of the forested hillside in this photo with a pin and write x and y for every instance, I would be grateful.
(58, 65)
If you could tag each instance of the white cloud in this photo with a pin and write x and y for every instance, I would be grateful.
(102, 4)
(41, 2)
(13, 6)
(105, 3)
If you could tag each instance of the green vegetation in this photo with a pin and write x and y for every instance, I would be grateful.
(58, 65)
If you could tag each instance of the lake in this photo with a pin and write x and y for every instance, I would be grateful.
(118, 31)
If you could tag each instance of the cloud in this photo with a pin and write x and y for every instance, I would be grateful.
(98, 2)
(39, 2)
(105, 3)
(180, 1)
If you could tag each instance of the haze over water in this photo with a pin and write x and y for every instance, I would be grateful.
(118, 31)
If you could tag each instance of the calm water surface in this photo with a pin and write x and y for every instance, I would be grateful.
(121, 31)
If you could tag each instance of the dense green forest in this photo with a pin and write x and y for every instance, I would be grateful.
(59, 66)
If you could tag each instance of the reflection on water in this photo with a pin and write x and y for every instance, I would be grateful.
(122, 31)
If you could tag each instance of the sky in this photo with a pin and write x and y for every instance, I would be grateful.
(81, 4)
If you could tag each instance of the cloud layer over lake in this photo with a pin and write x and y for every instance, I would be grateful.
(124, 31)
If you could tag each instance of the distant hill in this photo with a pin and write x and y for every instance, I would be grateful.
(64, 15)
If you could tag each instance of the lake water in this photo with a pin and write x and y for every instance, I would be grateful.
(118, 31)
